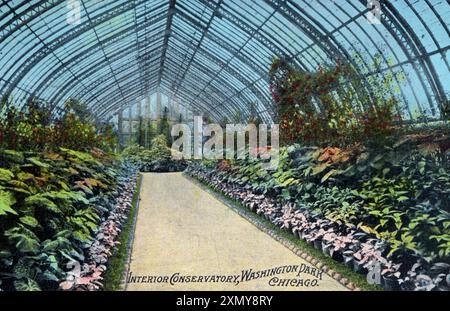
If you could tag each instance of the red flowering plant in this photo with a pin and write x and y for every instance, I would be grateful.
(304, 101)
(332, 106)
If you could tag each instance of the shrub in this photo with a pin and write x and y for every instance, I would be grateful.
(156, 159)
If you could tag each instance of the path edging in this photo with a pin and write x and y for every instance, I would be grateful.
(124, 283)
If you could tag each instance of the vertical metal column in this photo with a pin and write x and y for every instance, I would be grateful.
(158, 105)
(120, 126)
(147, 122)
(139, 107)
(130, 124)
(139, 120)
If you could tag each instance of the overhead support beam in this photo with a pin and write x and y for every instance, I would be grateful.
(412, 46)
(145, 45)
(225, 67)
(26, 16)
(102, 49)
(49, 47)
(180, 80)
(86, 53)
(167, 33)
(262, 71)
(227, 63)
(170, 65)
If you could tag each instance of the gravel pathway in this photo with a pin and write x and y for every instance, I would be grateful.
(186, 239)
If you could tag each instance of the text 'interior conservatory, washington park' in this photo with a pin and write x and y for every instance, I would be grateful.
(244, 145)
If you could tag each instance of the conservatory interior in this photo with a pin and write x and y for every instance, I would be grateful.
(345, 185)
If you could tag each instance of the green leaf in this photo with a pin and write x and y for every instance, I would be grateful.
(19, 185)
(13, 156)
(327, 175)
(68, 196)
(29, 220)
(6, 175)
(421, 166)
(24, 239)
(27, 285)
(320, 168)
(288, 181)
(23, 176)
(6, 201)
(41, 200)
(49, 245)
(402, 198)
(37, 162)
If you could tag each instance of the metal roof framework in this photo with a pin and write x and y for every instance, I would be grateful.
(213, 55)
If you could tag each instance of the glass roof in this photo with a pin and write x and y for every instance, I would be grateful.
(213, 55)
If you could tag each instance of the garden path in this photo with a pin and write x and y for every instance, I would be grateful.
(183, 229)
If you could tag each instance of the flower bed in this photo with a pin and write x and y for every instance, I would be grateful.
(54, 208)
(106, 239)
(335, 222)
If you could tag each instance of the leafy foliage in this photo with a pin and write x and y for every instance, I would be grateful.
(6, 201)
(46, 219)
(156, 159)
(399, 195)
(35, 129)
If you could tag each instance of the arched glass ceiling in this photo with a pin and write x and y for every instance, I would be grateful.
(212, 54)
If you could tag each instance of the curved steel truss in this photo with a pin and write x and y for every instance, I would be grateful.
(213, 54)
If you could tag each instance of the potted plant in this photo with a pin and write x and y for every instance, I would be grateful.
(340, 244)
(358, 265)
(364, 257)
(348, 258)
(326, 247)
(327, 242)
(310, 237)
(390, 274)
(318, 237)
(303, 227)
